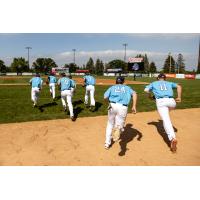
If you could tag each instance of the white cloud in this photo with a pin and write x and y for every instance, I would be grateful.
(108, 55)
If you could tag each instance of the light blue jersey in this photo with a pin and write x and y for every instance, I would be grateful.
(52, 79)
(89, 80)
(119, 94)
(36, 82)
(65, 83)
(162, 89)
(73, 83)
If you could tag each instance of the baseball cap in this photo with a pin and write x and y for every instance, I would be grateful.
(161, 75)
(119, 79)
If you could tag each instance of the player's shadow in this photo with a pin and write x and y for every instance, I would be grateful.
(41, 108)
(127, 136)
(77, 111)
(97, 106)
(161, 130)
(78, 102)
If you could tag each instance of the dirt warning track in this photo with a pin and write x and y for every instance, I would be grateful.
(81, 143)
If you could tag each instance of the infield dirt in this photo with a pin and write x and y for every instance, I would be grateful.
(81, 143)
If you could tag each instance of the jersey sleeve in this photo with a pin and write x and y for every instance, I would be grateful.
(131, 91)
(107, 93)
(148, 87)
(31, 80)
(174, 85)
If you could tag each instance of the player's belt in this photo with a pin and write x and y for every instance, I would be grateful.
(122, 104)
(163, 97)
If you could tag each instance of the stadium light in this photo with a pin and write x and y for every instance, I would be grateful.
(74, 50)
(28, 56)
(125, 45)
(169, 62)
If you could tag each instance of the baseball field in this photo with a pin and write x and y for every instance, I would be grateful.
(46, 136)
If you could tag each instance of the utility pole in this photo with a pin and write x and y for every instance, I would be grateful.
(169, 62)
(74, 50)
(125, 45)
(28, 56)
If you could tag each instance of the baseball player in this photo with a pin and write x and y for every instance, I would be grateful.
(163, 95)
(36, 83)
(89, 83)
(66, 94)
(119, 97)
(73, 85)
(52, 82)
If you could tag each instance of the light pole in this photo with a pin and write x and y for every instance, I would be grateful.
(74, 50)
(28, 55)
(169, 62)
(125, 45)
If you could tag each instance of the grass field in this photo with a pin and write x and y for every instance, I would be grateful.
(16, 106)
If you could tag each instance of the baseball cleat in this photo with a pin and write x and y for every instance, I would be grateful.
(73, 118)
(116, 134)
(173, 145)
(107, 146)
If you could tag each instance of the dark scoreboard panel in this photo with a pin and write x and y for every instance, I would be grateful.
(135, 66)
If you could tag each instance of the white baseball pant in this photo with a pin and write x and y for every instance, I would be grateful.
(116, 119)
(35, 91)
(90, 89)
(66, 96)
(72, 91)
(163, 106)
(52, 89)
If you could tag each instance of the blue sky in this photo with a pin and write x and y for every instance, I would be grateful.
(104, 46)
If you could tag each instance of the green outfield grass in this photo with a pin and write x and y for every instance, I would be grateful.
(16, 106)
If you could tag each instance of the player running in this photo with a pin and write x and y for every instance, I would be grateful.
(163, 94)
(36, 83)
(89, 82)
(52, 85)
(66, 95)
(119, 97)
(73, 85)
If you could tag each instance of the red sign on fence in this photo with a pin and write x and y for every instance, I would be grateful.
(190, 76)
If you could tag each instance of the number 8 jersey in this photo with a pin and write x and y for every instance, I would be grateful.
(161, 89)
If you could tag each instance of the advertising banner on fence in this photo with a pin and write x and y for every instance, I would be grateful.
(170, 75)
(197, 76)
(190, 76)
(180, 75)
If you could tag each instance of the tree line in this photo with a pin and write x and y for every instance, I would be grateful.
(44, 65)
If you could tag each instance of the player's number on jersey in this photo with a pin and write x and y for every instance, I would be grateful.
(163, 87)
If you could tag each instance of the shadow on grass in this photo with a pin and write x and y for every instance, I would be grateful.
(77, 111)
(78, 102)
(127, 136)
(41, 108)
(97, 106)
(161, 130)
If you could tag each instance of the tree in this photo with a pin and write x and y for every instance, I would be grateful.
(2, 66)
(152, 67)
(19, 65)
(167, 68)
(114, 64)
(99, 67)
(180, 64)
(44, 65)
(73, 67)
(90, 66)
